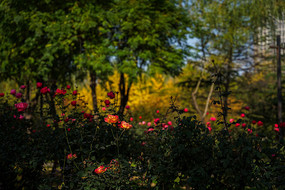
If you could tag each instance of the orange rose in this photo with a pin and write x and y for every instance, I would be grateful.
(112, 119)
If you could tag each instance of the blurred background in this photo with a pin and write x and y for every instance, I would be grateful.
(148, 51)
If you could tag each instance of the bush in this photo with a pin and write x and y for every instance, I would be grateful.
(59, 143)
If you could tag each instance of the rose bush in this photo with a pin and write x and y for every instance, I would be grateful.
(60, 144)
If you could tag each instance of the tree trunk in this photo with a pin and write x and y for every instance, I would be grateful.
(227, 84)
(93, 86)
(123, 93)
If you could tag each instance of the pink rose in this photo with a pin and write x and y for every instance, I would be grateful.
(18, 95)
(22, 106)
(186, 110)
(13, 92)
(23, 86)
(213, 119)
(231, 120)
(149, 124)
(242, 115)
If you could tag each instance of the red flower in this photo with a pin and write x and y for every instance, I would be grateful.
(237, 124)
(140, 117)
(13, 92)
(18, 95)
(213, 119)
(45, 90)
(246, 107)
(210, 129)
(68, 86)
(276, 129)
(58, 91)
(22, 106)
(208, 124)
(111, 95)
(156, 121)
(74, 92)
(73, 103)
(100, 170)
(243, 125)
(242, 115)
(169, 123)
(48, 125)
(107, 102)
(157, 111)
(186, 110)
(66, 120)
(253, 122)
(131, 119)
(2, 94)
(69, 156)
(127, 107)
(39, 84)
(249, 131)
(259, 123)
(23, 86)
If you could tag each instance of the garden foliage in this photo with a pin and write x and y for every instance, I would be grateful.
(60, 144)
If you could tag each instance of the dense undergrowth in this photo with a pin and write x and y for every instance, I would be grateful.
(60, 144)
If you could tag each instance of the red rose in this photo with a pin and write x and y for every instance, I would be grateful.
(45, 90)
(107, 102)
(39, 84)
(2, 94)
(243, 125)
(237, 124)
(242, 115)
(74, 92)
(18, 95)
(259, 123)
(68, 86)
(157, 111)
(156, 121)
(22, 106)
(253, 122)
(246, 107)
(111, 95)
(131, 119)
(73, 103)
(186, 110)
(127, 107)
